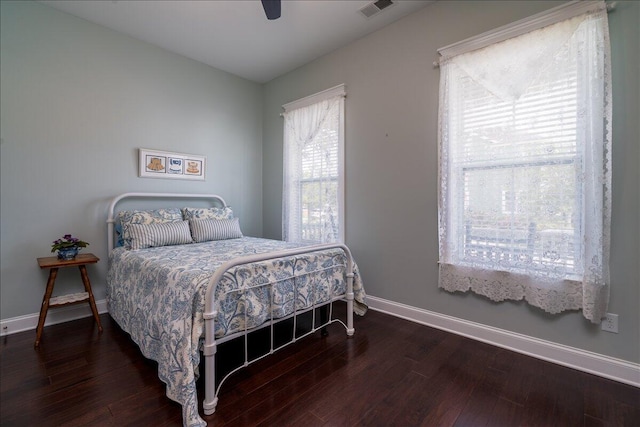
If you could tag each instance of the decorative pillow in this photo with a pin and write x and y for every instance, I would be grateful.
(160, 234)
(207, 213)
(204, 230)
(126, 218)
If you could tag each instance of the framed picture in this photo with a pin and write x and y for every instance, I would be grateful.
(165, 164)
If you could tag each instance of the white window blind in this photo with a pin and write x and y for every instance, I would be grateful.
(313, 201)
(525, 166)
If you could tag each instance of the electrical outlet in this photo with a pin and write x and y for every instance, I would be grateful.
(610, 323)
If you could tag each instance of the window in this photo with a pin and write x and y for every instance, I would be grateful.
(525, 166)
(313, 201)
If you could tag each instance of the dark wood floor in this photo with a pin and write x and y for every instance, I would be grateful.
(391, 373)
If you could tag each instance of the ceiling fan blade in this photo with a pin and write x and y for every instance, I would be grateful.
(271, 8)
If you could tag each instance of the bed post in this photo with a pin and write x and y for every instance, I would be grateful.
(350, 329)
(210, 398)
(349, 294)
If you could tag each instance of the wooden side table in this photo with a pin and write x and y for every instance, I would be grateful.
(53, 264)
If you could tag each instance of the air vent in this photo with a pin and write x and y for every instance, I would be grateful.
(374, 8)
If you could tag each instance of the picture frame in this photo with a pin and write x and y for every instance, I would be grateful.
(170, 165)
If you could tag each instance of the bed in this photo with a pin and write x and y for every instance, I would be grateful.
(183, 280)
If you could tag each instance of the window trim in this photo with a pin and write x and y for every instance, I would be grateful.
(525, 25)
(338, 90)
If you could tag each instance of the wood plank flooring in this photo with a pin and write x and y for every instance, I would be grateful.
(391, 373)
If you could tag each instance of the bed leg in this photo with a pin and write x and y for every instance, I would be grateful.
(210, 407)
(324, 318)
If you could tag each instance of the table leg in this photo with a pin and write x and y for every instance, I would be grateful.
(45, 304)
(92, 301)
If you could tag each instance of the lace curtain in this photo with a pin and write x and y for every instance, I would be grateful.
(312, 173)
(525, 168)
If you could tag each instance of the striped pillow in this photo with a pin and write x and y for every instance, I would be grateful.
(204, 230)
(126, 218)
(161, 234)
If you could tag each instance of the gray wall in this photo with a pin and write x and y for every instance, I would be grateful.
(77, 100)
(391, 167)
(79, 97)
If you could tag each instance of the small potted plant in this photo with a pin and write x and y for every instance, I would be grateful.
(68, 246)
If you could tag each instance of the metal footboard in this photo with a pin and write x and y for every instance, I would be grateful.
(211, 392)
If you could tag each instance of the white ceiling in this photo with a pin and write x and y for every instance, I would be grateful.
(235, 35)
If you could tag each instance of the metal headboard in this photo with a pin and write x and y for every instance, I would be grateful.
(111, 218)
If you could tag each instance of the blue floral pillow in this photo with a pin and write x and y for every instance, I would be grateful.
(156, 216)
(207, 213)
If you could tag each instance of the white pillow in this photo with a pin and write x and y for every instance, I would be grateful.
(162, 234)
(204, 230)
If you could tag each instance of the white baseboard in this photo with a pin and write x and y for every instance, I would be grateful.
(582, 360)
(54, 315)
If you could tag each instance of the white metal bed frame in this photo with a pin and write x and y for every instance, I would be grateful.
(210, 342)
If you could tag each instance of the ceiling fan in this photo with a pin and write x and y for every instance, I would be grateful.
(271, 9)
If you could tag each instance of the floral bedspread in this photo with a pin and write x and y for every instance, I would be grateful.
(157, 295)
